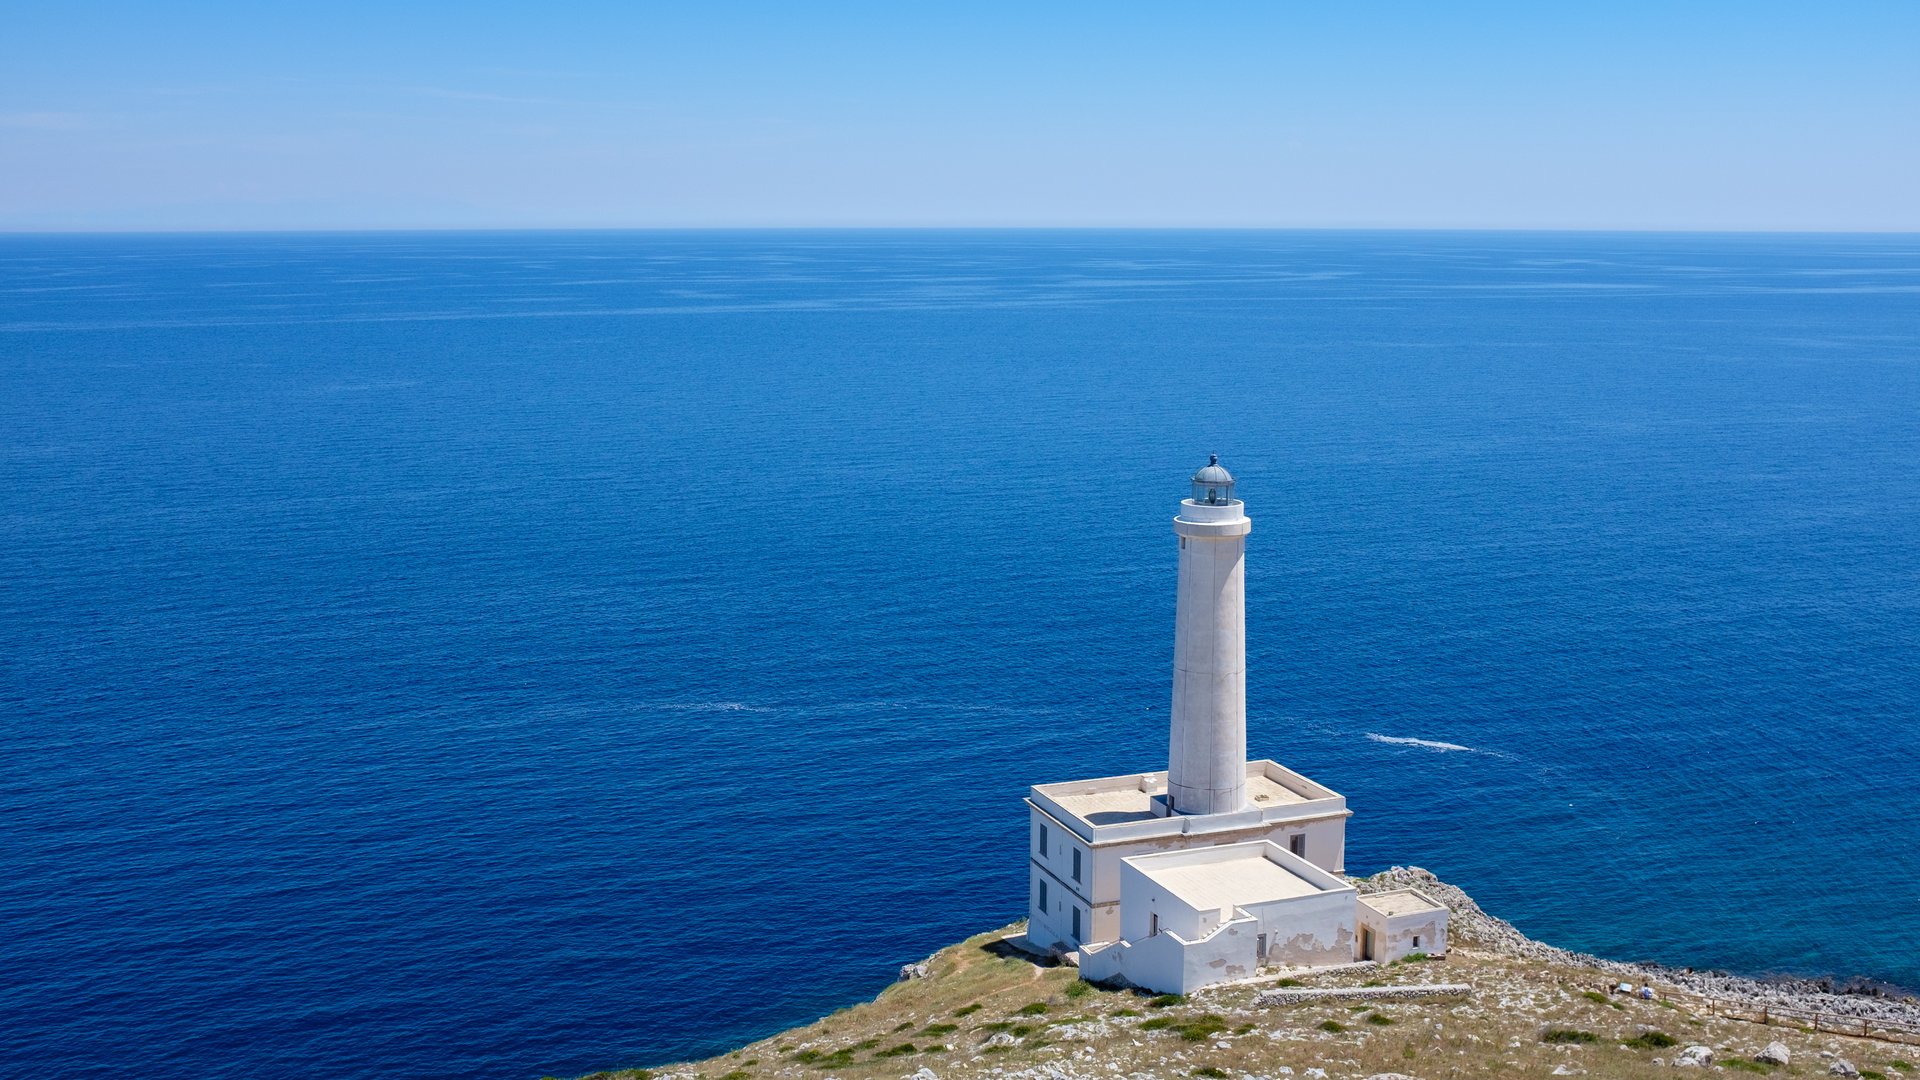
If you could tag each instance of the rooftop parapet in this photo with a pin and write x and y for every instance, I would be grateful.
(1134, 806)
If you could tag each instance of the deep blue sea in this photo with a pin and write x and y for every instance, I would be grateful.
(509, 654)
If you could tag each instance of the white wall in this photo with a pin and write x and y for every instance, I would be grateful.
(1168, 963)
(1394, 936)
(1307, 931)
(1055, 924)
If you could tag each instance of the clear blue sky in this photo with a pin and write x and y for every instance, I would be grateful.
(1678, 115)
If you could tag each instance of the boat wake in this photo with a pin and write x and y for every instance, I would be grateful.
(1429, 744)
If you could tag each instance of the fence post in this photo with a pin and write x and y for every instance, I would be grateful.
(1763, 1016)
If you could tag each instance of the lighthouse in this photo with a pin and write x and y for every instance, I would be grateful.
(1207, 753)
(1087, 836)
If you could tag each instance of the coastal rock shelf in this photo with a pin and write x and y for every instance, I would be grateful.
(984, 1008)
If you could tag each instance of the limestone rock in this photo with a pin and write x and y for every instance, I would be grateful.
(924, 1073)
(1694, 1057)
(1001, 1038)
(913, 971)
(1842, 1067)
(1776, 1053)
(1390, 1076)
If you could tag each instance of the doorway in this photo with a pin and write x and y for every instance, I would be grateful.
(1366, 943)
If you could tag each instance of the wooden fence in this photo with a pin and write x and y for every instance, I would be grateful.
(1805, 1019)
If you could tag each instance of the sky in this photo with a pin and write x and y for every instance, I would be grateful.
(1542, 115)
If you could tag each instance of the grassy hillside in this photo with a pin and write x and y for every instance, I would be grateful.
(988, 1010)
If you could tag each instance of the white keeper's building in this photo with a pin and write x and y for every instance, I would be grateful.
(1219, 866)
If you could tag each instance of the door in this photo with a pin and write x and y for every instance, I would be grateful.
(1366, 943)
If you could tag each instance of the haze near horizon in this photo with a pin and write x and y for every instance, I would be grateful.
(223, 116)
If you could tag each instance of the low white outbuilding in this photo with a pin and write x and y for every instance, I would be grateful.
(1214, 914)
(1400, 923)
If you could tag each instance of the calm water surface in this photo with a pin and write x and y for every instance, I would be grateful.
(497, 655)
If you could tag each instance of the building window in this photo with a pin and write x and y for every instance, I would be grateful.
(1076, 924)
(1043, 898)
(1153, 925)
(1076, 864)
(1043, 840)
(1416, 941)
(1297, 844)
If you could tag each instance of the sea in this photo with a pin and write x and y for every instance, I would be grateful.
(516, 654)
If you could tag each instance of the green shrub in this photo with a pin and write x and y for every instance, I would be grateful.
(1161, 1001)
(1211, 1072)
(1203, 1028)
(1380, 1021)
(1289, 982)
(1157, 1023)
(967, 1010)
(903, 1025)
(1568, 1035)
(899, 1051)
(1332, 1026)
(1032, 1008)
(939, 1029)
(1125, 1012)
(1872, 1074)
(1079, 988)
(1743, 1065)
(997, 1025)
(1020, 1031)
(1653, 1040)
(1596, 997)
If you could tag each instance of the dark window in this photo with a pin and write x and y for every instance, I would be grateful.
(1298, 844)
(1043, 839)
(1043, 898)
(1076, 924)
(1416, 941)
(1076, 864)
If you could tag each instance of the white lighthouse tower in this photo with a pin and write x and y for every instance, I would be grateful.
(1207, 755)
(1086, 833)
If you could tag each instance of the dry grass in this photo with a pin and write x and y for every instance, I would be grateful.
(1045, 1017)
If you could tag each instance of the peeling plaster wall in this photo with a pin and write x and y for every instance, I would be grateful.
(1393, 936)
(1167, 963)
(1307, 931)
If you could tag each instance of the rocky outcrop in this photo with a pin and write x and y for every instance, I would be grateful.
(1776, 1053)
(1470, 927)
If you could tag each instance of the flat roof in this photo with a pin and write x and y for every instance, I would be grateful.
(1242, 875)
(1400, 902)
(1118, 800)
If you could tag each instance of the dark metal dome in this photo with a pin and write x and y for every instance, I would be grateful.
(1213, 473)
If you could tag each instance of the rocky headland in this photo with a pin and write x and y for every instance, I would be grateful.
(1498, 1005)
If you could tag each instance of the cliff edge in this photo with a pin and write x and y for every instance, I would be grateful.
(1499, 1005)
